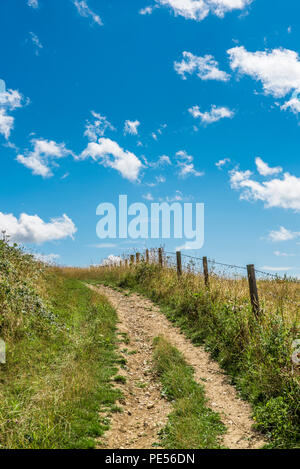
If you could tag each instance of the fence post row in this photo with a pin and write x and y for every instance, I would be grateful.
(253, 289)
(160, 257)
(205, 271)
(250, 270)
(179, 264)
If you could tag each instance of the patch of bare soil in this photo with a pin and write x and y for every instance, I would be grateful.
(145, 411)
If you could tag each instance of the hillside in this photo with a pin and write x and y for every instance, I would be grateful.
(255, 352)
(91, 366)
(60, 346)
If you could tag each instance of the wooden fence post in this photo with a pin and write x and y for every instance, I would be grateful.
(179, 264)
(138, 257)
(205, 271)
(160, 257)
(131, 259)
(253, 289)
(147, 256)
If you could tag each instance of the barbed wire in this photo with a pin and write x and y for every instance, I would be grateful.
(231, 266)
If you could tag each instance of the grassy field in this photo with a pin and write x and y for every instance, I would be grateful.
(192, 424)
(255, 353)
(61, 358)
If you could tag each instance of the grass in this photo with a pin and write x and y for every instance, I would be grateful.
(191, 425)
(256, 354)
(61, 357)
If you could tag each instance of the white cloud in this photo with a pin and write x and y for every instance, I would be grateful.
(206, 68)
(283, 235)
(163, 160)
(186, 165)
(47, 258)
(281, 192)
(276, 269)
(200, 9)
(148, 10)
(214, 115)
(131, 127)
(292, 104)
(278, 70)
(177, 197)
(283, 254)
(111, 259)
(148, 196)
(158, 180)
(36, 42)
(32, 229)
(264, 169)
(110, 154)
(222, 163)
(33, 3)
(6, 123)
(40, 159)
(98, 127)
(237, 177)
(9, 101)
(84, 10)
(102, 245)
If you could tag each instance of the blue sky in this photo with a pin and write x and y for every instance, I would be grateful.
(211, 85)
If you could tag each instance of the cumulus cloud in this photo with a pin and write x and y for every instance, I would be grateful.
(32, 229)
(214, 115)
(9, 101)
(278, 70)
(111, 260)
(186, 165)
(84, 10)
(6, 124)
(131, 127)
(222, 163)
(282, 191)
(98, 127)
(264, 169)
(47, 258)
(41, 159)
(200, 9)
(148, 10)
(163, 160)
(206, 68)
(282, 234)
(110, 154)
(33, 3)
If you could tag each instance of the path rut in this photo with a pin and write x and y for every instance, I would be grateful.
(145, 411)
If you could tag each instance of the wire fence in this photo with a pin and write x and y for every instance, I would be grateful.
(265, 290)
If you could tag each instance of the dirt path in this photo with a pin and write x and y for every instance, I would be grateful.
(145, 412)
